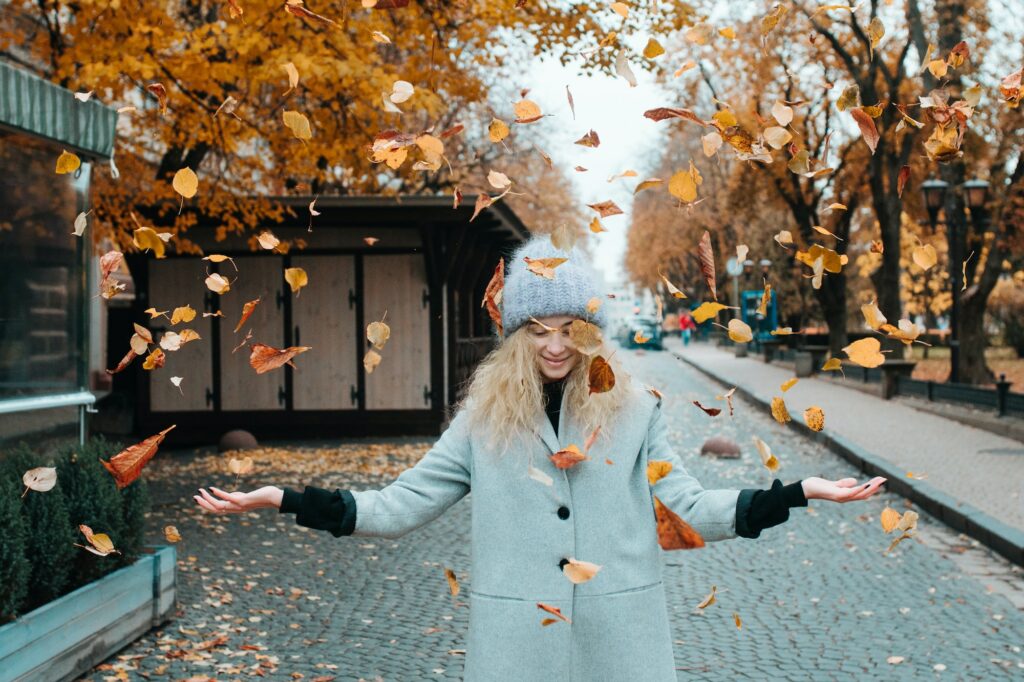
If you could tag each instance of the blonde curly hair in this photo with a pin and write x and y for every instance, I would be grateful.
(505, 398)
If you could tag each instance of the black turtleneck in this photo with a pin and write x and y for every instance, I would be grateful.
(553, 392)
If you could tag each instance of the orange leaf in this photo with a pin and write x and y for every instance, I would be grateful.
(264, 358)
(657, 470)
(553, 610)
(601, 378)
(125, 361)
(247, 310)
(567, 457)
(606, 208)
(126, 466)
(867, 127)
(492, 294)
(673, 532)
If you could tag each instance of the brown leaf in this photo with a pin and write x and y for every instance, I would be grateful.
(606, 208)
(600, 378)
(589, 140)
(492, 295)
(567, 458)
(247, 310)
(662, 113)
(711, 411)
(707, 263)
(125, 361)
(126, 466)
(867, 127)
(453, 582)
(264, 358)
(901, 180)
(553, 610)
(673, 532)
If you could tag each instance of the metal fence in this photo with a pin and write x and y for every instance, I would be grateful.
(999, 399)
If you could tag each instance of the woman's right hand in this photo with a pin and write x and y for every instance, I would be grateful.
(222, 502)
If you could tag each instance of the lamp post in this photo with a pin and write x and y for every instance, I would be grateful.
(975, 193)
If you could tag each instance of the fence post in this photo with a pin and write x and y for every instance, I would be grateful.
(930, 385)
(1002, 391)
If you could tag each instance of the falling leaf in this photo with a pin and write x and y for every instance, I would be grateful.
(298, 124)
(154, 360)
(589, 140)
(782, 113)
(543, 267)
(126, 466)
(99, 543)
(777, 137)
(580, 571)
(453, 582)
(739, 331)
(620, 8)
(727, 397)
(606, 208)
(241, 467)
(527, 111)
(653, 49)
(160, 92)
(924, 256)
(672, 289)
(264, 358)
(682, 186)
(67, 163)
(889, 519)
(849, 98)
(622, 69)
(705, 311)
(814, 417)
(865, 352)
(833, 364)
(766, 297)
(708, 600)
(779, 411)
(379, 37)
(700, 34)
(378, 332)
(401, 91)
(40, 479)
(657, 470)
(788, 384)
(600, 377)
(171, 534)
(784, 238)
(673, 532)
(767, 458)
(876, 30)
(567, 457)
(296, 278)
(901, 180)
(177, 383)
(647, 184)
(872, 315)
(710, 411)
(736, 619)
(371, 360)
(706, 256)
(293, 76)
(80, 224)
(498, 130)
(867, 127)
(295, 7)
(553, 610)
(711, 143)
(186, 183)
(218, 284)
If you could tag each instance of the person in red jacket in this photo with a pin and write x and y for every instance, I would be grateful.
(686, 326)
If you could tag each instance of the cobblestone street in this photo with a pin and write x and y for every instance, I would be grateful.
(817, 596)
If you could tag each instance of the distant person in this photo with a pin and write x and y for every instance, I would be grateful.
(686, 326)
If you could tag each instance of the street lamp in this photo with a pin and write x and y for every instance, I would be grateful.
(975, 195)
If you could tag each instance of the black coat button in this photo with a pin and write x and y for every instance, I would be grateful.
(562, 563)
(563, 513)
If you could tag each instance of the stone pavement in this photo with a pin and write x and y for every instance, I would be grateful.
(968, 467)
(817, 597)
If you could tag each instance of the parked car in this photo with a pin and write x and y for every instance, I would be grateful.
(648, 327)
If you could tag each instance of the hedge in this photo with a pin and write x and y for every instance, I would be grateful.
(85, 494)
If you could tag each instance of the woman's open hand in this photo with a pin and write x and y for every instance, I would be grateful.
(222, 502)
(843, 490)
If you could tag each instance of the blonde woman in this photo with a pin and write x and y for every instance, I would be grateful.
(528, 399)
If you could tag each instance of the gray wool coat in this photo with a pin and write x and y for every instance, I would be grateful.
(620, 628)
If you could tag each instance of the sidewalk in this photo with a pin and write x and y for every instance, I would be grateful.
(974, 480)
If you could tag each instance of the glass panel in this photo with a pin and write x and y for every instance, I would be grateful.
(42, 278)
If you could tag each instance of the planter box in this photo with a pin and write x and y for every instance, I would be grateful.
(68, 636)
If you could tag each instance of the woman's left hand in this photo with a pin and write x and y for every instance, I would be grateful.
(843, 490)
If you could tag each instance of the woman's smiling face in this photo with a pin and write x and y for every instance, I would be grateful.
(556, 354)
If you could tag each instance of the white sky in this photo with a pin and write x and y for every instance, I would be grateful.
(607, 104)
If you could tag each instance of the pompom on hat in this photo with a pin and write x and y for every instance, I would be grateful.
(527, 294)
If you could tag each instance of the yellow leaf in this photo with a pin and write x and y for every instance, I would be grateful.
(378, 333)
(832, 364)
(889, 518)
(814, 417)
(296, 278)
(526, 111)
(849, 98)
(705, 311)
(779, 411)
(708, 600)
(837, 207)
(298, 124)
(653, 49)
(185, 313)
(682, 186)
(293, 76)
(788, 384)
(739, 331)
(865, 352)
(498, 130)
(872, 315)
(657, 469)
(186, 183)
(67, 163)
(620, 8)
(146, 238)
(728, 32)
(647, 184)
(925, 256)
(876, 29)
(767, 458)
(725, 118)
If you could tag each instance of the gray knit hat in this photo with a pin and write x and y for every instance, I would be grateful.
(528, 295)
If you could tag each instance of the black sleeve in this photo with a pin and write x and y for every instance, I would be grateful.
(760, 509)
(333, 511)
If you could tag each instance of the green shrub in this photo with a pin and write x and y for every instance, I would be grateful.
(14, 566)
(49, 540)
(93, 500)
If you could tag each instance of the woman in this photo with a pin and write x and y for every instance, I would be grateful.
(530, 519)
(686, 326)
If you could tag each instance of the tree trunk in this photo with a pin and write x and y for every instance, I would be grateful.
(974, 340)
(832, 298)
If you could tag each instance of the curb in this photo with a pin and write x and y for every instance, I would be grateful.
(960, 516)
